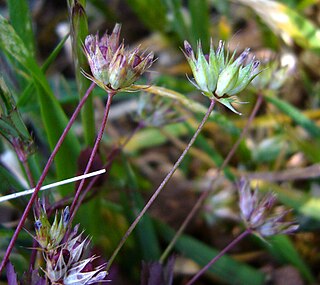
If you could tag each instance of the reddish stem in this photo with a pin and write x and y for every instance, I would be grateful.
(221, 253)
(43, 176)
(76, 201)
(208, 191)
(161, 186)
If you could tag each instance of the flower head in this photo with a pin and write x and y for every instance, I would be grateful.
(49, 236)
(66, 266)
(113, 66)
(219, 76)
(257, 213)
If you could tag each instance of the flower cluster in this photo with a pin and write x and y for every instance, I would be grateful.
(49, 236)
(64, 261)
(65, 266)
(113, 66)
(257, 213)
(219, 76)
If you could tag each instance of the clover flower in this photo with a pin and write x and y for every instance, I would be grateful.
(258, 216)
(219, 76)
(113, 66)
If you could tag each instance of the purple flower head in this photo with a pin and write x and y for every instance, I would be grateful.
(258, 215)
(113, 66)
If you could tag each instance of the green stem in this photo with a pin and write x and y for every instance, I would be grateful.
(161, 186)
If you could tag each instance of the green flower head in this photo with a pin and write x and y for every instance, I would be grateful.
(219, 76)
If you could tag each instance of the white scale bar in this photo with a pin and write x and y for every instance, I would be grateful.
(55, 184)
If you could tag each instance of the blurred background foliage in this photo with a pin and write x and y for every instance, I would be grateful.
(40, 62)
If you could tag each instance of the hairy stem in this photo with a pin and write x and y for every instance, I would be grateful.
(208, 191)
(43, 176)
(221, 253)
(161, 186)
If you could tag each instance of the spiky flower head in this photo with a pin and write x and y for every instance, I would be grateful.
(219, 76)
(49, 236)
(114, 67)
(66, 266)
(257, 213)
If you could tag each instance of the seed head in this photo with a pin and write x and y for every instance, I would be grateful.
(113, 66)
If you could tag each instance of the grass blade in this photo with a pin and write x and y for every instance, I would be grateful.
(200, 24)
(295, 115)
(53, 117)
(20, 20)
(79, 31)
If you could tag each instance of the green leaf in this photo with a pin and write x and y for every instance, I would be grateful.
(145, 233)
(25, 97)
(79, 31)
(53, 117)
(11, 125)
(226, 268)
(178, 22)
(200, 23)
(294, 114)
(283, 248)
(152, 13)
(20, 20)
(287, 22)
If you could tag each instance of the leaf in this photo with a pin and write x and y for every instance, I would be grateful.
(53, 117)
(145, 232)
(282, 247)
(20, 20)
(148, 11)
(287, 23)
(79, 31)
(295, 114)
(25, 97)
(178, 22)
(200, 23)
(11, 125)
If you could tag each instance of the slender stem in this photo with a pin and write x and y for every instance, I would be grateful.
(76, 201)
(107, 166)
(66, 201)
(43, 176)
(161, 186)
(207, 192)
(221, 253)
(27, 170)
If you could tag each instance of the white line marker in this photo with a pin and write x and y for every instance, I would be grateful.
(55, 184)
